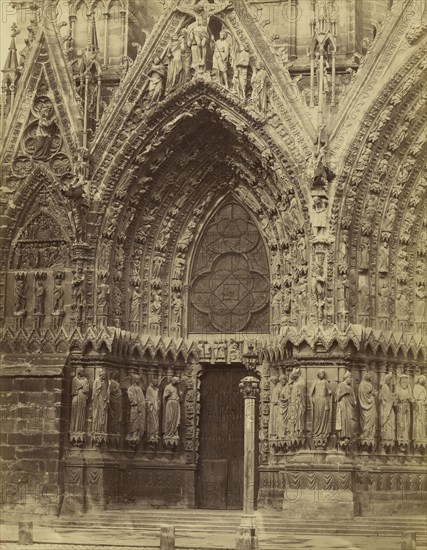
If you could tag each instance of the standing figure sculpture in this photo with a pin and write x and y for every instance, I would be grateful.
(156, 77)
(115, 407)
(296, 412)
(221, 58)
(259, 89)
(320, 395)
(241, 72)
(79, 395)
(175, 73)
(346, 409)
(100, 400)
(368, 412)
(171, 413)
(283, 412)
(136, 427)
(153, 410)
(276, 387)
(387, 414)
(420, 413)
(404, 399)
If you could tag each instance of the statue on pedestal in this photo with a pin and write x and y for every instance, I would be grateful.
(368, 412)
(79, 393)
(420, 413)
(346, 408)
(136, 427)
(171, 413)
(153, 410)
(115, 407)
(100, 400)
(387, 414)
(320, 394)
(403, 417)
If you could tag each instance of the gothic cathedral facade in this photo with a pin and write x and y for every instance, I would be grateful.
(192, 188)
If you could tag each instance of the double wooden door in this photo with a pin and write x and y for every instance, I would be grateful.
(220, 476)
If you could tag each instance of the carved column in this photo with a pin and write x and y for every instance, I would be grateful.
(106, 25)
(246, 538)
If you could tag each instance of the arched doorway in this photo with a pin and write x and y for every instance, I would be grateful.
(228, 303)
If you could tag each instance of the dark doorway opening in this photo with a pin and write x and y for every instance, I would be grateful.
(220, 476)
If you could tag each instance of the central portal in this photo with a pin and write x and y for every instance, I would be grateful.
(220, 479)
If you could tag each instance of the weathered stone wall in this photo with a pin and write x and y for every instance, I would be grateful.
(31, 434)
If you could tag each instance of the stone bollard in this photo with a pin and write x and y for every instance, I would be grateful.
(25, 532)
(167, 537)
(246, 539)
(409, 540)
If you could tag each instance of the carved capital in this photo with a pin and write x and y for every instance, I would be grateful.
(249, 386)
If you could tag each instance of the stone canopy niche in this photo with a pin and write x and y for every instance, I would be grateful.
(230, 277)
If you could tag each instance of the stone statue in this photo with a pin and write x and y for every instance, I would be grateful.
(259, 89)
(387, 414)
(241, 65)
(58, 297)
(297, 406)
(320, 395)
(156, 77)
(221, 58)
(346, 405)
(79, 395)
(175, 73)
(153, 410)
(20, 305)
(100, 401)
(368, 412)
(420, 413)
(171, 413)
(39, 298)
(383, 257)
(136, 427)
(44, 133)
(283, 407)
(404, 399)
(114, 406)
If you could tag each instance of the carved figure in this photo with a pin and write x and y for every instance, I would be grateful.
(114, 405)
(186, 56)
(259, 89)
(346, 405)
(387, 414)
(39, 298)
(153, 410)
(221, 58)
(44, 132)
(103, 297)
(100, 400)
(420, 412)
(368, 411)
(420, 304)
(297, 406)
(383, 255)
(135, 305)
(175, 73)
(283, 413)
(171, 413)
(156, 77)
(136, 427)
(176, 314)
(58, 297)
(79, 395)
(20, 305)
(241, 65)
(404, 399)
(320, 395)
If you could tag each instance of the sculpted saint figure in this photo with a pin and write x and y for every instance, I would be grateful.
(259, 89)
(368, 411)
(297, 406)
(171, 412)
(346, 404)
(221, 58)
(175, 72)
(100, 400)
(137, 412)
(156, 76)
(79, 395)
(283, 412)
(241, 72)
(387, 414)
(153, 409)
(404, 400)
(39, 298)
(44, 131)
(115, 405)
(320, 395)
(420, 412)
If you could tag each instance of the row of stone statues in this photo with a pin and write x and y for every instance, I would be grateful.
(396, 417)
(148, 413)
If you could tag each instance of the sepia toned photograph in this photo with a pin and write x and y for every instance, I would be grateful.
(213, 279)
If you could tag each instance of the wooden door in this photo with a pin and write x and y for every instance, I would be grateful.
(220, 480)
